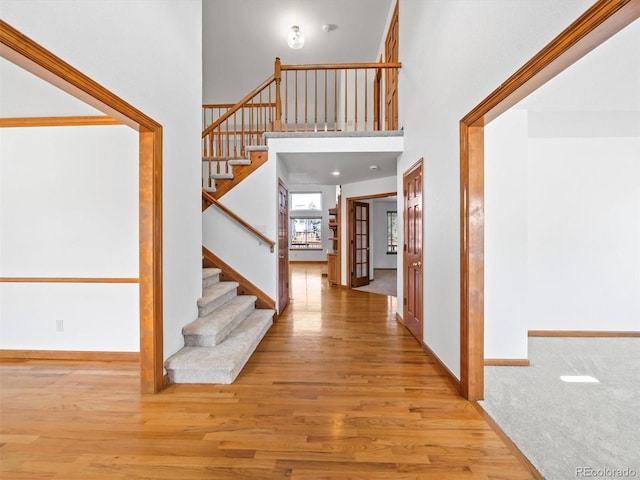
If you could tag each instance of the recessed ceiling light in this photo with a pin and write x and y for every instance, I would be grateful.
(578, 379)
(329, 27)
(373, 167)
(335, 173)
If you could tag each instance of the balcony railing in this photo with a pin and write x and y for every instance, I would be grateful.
(297, 98)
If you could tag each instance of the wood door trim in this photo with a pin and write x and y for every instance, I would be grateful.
(374, 196)
(603, 20)
(34, 58)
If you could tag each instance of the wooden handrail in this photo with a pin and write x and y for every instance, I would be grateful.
(213, 201)
(229, 105)
(238, 105)
(342, 66)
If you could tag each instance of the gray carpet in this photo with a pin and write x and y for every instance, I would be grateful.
(384, 282)
(572, 430)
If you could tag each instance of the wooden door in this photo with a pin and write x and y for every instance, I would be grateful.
(283, 246)
(359, 244)
(412, 252)
(391, 74)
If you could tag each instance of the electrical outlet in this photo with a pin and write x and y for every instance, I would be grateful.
(59, 325)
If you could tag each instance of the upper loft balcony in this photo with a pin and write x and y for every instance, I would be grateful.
(333, 100)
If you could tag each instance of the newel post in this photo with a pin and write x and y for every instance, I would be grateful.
(277, 126)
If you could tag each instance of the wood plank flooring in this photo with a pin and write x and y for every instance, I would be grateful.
(336, 390)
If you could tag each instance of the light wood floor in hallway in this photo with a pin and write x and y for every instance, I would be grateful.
(336, 390)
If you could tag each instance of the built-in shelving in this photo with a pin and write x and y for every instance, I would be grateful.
(333, 256)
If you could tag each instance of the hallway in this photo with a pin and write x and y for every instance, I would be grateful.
(337, 389)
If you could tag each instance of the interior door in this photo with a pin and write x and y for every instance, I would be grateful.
(359, 244)
(412, 252)
(283, 246)
(391, 74)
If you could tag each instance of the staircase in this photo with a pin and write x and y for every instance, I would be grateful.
(220, 341)
(221, 175)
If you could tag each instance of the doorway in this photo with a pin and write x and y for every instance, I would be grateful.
(374, 243)
(32, 57)
(283, 246)
(595, 26)
(412, 264)
(359, 243)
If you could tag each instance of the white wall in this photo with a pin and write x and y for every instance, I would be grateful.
(68, 208)
(148, 53)
(450, 62)
(379, 234)
(562, 238)
(506, 307)
(583, 236)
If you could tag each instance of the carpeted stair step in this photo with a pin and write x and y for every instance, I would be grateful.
(215, 296)
(210, 276)
(222, 363)
(239, 162)
(222, 176)
(212, 329)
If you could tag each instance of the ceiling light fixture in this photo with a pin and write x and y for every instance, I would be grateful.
(295, 39)
(335, 173)
(329, 27)
(373, 167)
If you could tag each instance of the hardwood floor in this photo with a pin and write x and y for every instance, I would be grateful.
(336, 390)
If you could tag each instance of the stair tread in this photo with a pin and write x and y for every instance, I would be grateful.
(210, 272)
(216, 291)
(221, 318)
(222, 363)
(239, 161)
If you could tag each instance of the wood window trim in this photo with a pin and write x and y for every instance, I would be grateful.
(600, 22)
(32, 57)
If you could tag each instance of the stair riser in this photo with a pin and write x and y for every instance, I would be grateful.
(212, 280)
(219, 376)
(211, 306)
(213, 340)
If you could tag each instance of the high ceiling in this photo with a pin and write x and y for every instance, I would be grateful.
(242, 38)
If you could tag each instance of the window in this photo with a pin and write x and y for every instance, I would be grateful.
(306, 233)
(306, 201)
(392, 233)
